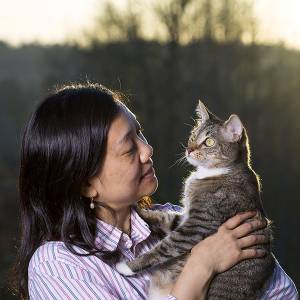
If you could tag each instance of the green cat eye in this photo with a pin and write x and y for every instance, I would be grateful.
(209, 142)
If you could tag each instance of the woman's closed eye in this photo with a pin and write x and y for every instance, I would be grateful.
(132, 149)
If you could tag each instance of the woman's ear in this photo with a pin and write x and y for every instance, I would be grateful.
(89, 190)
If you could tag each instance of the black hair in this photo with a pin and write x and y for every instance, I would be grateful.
(63, 145)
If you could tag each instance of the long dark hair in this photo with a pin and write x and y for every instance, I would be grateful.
(63, 146)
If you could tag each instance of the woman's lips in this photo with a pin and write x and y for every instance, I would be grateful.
(149, 173)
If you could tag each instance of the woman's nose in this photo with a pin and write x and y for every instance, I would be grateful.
(146, 153)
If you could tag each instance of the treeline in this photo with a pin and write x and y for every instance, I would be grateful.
(175, 21)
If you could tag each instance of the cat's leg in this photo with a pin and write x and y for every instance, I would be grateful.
(160, 285)
(179, 242)
(165, 220)
(163, 279)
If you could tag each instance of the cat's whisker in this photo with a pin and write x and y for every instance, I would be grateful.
(178, 161)
(181, 153)
(174, 163)
(187, 124)
(184, 162)
(183, 146)
(194, 120)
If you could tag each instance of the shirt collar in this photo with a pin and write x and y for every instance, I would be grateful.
(140, 230)
(108, 237)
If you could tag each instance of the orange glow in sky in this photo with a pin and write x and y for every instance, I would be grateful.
(58, 20)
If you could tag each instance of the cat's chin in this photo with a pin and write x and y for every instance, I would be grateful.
(193, 161)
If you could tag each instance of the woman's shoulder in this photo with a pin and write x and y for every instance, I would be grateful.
(54, 252)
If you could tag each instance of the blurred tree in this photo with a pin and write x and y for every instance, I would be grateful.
(235, 20)
(115, 24)
(208, 23)
(223, 21)
(172, 16)
(184, 21)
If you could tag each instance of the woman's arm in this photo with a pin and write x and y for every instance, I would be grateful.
(217, 253)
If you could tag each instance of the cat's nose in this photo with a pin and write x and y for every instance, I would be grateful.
(189, 150)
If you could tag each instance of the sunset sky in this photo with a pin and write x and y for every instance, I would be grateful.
(57, 20)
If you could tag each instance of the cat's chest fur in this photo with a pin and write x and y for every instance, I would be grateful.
(200, 181)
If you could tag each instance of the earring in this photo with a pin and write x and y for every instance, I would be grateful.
(92, 204)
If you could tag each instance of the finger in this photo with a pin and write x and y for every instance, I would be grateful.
(236, 220)
(251, 240)
(252, 253)
(246, 228)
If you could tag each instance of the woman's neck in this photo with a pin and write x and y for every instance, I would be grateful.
(122, 218)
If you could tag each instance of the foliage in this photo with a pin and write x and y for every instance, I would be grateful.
(175, 21)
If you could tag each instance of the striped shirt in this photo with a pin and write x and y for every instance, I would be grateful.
(56, 273)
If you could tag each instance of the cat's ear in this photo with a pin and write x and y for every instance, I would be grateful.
(232, 129)
(202, 112)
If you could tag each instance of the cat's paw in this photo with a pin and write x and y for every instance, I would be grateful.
(123, 268)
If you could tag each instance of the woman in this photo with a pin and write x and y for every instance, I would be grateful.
(84, 166)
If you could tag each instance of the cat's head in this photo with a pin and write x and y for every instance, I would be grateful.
(214, 143)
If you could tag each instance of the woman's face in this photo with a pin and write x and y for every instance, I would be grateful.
(122, 181)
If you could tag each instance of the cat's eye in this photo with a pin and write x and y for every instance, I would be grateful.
(209, 142)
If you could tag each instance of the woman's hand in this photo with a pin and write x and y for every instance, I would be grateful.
(228, 246)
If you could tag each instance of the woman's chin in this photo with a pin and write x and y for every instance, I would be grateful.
(151, 186)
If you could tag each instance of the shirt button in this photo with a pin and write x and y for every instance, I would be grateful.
(127, 241)
(128, 245)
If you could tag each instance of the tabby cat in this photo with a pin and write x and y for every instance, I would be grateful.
(222, 185)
